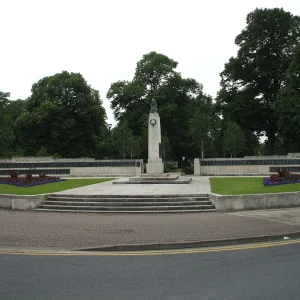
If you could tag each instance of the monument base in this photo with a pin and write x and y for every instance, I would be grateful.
(155, 168)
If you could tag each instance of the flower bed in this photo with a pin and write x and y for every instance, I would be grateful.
(283, 177)
(28, 180)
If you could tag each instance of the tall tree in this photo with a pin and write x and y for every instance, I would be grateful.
(126, 145)
(64, 115)
(156, 78)
(201, 125)
(251, 80)
(233, 139)
(288, 106)
(200, 128)
(6, 126)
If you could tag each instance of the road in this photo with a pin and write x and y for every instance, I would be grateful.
(262, 273)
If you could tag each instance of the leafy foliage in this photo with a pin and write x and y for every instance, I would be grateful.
(288, 106)
(13, 174)
(156, 78)
(28, 180)
(251, 80)
(233, 139)
(6, 126)
(64, 116)
(284, 176)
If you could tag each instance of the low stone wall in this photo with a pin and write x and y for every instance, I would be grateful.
(73, 167)
(21, 202)
(251, 166)
(255, 201)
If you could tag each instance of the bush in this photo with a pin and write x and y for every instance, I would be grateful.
(28, 176)
(283, 177)
(29, 180)
(13, 174)
(188, 170)
(171, 168)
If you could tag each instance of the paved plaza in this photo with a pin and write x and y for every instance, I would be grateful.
(199, 185)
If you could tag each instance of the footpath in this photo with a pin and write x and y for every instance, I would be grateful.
(76, 231)
(73, 231)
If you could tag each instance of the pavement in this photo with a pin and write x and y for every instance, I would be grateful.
(198, 185)
(75, 231)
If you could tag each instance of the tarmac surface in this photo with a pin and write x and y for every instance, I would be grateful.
(270, 273)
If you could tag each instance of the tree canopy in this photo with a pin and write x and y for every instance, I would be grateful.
(252, 80)
(156, 78)
(288, 106)
(64, 115)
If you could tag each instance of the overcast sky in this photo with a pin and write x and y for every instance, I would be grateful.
(104, 39)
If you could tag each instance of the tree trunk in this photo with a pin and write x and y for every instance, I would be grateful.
(202, 152)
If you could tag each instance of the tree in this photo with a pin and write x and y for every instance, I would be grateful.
(233, 139)
(200, 132)
(201, 128)
(4, 99)
(153, 71)
(288, 106)
(6, 126)
(156, 78)
(126, 145)
(251, 80)
(64, 116)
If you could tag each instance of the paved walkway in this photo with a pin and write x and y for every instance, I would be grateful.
(199, 185)
(70, 231)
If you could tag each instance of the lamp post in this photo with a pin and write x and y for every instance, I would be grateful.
(182, 162)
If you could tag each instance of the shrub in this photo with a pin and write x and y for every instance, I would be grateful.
(28, 176)
(171, 168)
(284, 176)
(284, 173)
(188, 170)
(29, 180)
(13, 174)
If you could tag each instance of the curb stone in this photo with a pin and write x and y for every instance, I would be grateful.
(192, 244)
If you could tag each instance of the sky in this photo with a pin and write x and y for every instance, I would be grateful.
(104, 39)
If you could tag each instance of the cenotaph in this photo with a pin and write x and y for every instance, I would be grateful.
(155, 165)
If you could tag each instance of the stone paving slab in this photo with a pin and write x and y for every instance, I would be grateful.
(289, 216)
(198, 185)
(70, 231)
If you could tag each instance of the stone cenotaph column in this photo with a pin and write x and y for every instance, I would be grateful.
(155, 164)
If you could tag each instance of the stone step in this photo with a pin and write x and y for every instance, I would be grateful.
(178, 181)
(125, 208)
(126, 203)
(181, 199)
(128, 211)
(143, 179)
(129, 196)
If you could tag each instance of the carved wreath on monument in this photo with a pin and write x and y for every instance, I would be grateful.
(152, 122)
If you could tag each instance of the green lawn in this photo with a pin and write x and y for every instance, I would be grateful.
(50, 187)
(247, 185)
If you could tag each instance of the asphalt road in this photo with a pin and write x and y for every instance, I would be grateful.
(267, 273)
